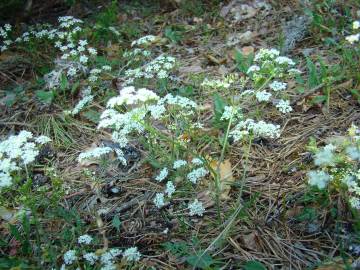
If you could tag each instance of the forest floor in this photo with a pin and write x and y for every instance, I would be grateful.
(263, 215)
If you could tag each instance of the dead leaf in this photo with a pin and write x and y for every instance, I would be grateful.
(193, 69)
(247, 50)
(206, 198)
(214, 60)
(251, 241)
(225, 175)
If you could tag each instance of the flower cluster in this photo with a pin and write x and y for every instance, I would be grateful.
(225, 83)
(354, 37)
(338, 167)
(159, 68)
(106, 260)
(258, 129)
(16, 152)
(4, 34)
(194, 175)
(268, 68)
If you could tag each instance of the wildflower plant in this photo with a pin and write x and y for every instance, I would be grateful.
(17, 154)
(337, 168)
(268, 75)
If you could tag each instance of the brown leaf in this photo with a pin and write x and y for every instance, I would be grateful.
(214, 60)
(225, 175)
(247, 50)
(251, 241)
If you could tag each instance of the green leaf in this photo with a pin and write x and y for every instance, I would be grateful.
(45, 96)
(116, 223)
(9, 99)
(254, 265)
(219, 105)
(74, 87)
(201, 262)
(92, 116)
(318, 99)
(64, 83)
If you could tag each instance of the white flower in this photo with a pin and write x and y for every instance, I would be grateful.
(143, 40)
(70, 256)
(179, 163)
(277, 86)
(230, 112)
(81, 104)
(132, 254)
(294, 71)
(284, 60)
(170, 188)
(353, 38)
(162, 175)
(197, 161)
(263, 96)
(65, 56)
(258, 129)
(92, 51)
(83, 42)
(265, 54)
(157, 111)
(325, 157)
(252, 69)
(215, 84)
(106, 68)
(356, 25)
(42, 139)
(91, 258)
(71, 71)
(108, 258)
(318, 178)
(85, 239)
(94, 153)
(355, 202)
(284, 106)
(196, 208)
(83, 59)
(5, 180)
(159, 200)
(197, 174)
(353, 152)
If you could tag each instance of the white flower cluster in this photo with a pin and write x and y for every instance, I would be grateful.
(284, 106)
(18, 151)
(107, 259)
(159, 68)
(256, 129)
(355, 37)
(270, 65)
(196, 208)
(231, 112)
(85, 239)
(195, 175)
(137, 54)
(82, 103)
(97, 152)
(277, 86)
(338, 165)
(263, 96)
(143, 41)
(70, 257)
(4, 34)
(130, 96)
(162, 175)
